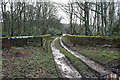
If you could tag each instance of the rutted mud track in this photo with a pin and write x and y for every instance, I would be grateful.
(65, 69)
(93, 65)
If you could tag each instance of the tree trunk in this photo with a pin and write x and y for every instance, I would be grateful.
(102, 17)
(98, 21)
(24, 17)
(87, 30)
(111, 18)
(71, 17)
(12, 26)
(105, 16)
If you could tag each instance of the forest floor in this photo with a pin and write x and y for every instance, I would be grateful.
(28, 62)
(35, 62)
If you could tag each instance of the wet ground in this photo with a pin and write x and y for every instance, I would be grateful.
(93, 65)
(24, 61)
(64, 67)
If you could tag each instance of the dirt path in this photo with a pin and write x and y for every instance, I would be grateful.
(95, 66)
(65, 69)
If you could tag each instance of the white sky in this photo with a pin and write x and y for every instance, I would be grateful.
(61, 1)
(65, 16)
(62, 13)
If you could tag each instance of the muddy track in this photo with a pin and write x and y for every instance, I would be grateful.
(65, 69)
(93, 65)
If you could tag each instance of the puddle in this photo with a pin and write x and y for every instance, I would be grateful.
(64, 66)
(93, 65)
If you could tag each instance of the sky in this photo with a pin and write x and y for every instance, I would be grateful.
(65, 16)
(62, 13)
(61, 1)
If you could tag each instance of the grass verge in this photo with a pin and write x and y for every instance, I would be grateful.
(103, 55)
(112, 37)
(108, 57)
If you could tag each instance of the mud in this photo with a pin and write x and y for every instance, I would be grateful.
(65, 68)
(93, 65)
